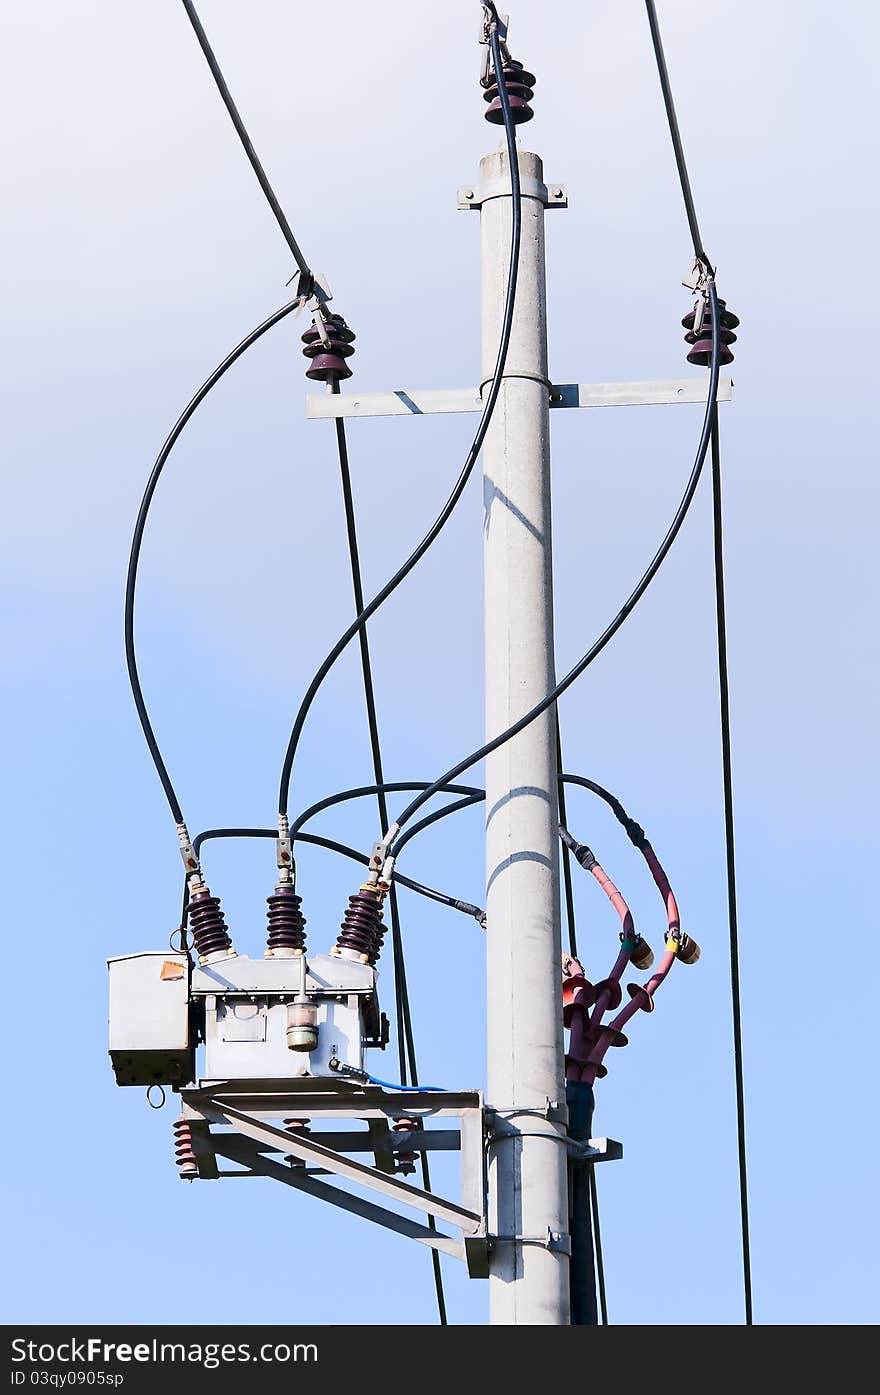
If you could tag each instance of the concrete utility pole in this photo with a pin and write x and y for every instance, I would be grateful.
(528, 1193)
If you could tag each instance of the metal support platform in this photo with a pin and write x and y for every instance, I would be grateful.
(235, 1121)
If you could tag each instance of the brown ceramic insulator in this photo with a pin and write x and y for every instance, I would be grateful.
(287, 924)
(327, 361)
(701, 341)
(519, 86)
(362, 929)
(207, 924)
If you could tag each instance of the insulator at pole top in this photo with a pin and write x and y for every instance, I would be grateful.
(328, 350)
(519, 85)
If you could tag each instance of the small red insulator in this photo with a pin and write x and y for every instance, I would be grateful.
(578, 995)
(645, 1001)
(287, 924)
(207, 924)
(183, 1150)
(406, 1158)
(612, 991)
(328, 360)
(297, 1127)
(519, 87)
(701, 352)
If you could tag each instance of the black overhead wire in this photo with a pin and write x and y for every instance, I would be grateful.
(441, 897)
(732, 919)
(476, 445)
(724, 686)
(137, 540)
(389, 787)
(675, 133)
(245, 139)
(625, 610)
(567, 884)
(405, 1036)
(597, 1245)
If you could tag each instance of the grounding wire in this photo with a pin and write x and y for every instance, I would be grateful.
(476, 445)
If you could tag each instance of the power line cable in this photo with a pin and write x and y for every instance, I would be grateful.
(137, 540)
(597, 1247)
(625, 610)
(406, 1046)
(241, 131)
(441, 897)
(567, 883)
(732, 918)
(467, 469)
(389, 787)
(724, 685)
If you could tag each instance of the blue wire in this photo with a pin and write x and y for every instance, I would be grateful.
(386, 1084)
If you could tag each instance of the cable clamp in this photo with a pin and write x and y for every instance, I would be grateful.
(312, 290)
(284, 852)
(698, 280)
(554, 1240)
(553, 1110)
(188, 853)
(490, 20)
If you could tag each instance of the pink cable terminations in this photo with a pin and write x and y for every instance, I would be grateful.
(590, 1038)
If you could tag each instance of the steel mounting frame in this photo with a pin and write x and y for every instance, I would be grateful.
(234, 1120)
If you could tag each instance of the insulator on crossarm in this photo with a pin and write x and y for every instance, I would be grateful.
(362, 930)
(327, 361)
(287, 924)
(519, 85)
(207, 925)
(701, 340)
(406, 1157)
(183, 1150)
(298, 1128)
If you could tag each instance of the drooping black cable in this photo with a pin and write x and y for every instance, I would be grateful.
(436, 815)
(401, 992)
(389, 787)
(475, 796)
(699, 252)
(280, 218)
(680, 162)
(441, 897)
(733, 922)
(137, 539)
(628, 606)
(476, 445)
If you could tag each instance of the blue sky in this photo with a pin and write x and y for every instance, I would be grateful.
(138, 251)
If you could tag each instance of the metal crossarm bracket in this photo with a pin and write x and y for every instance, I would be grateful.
(416, 402)
(246, 1111)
